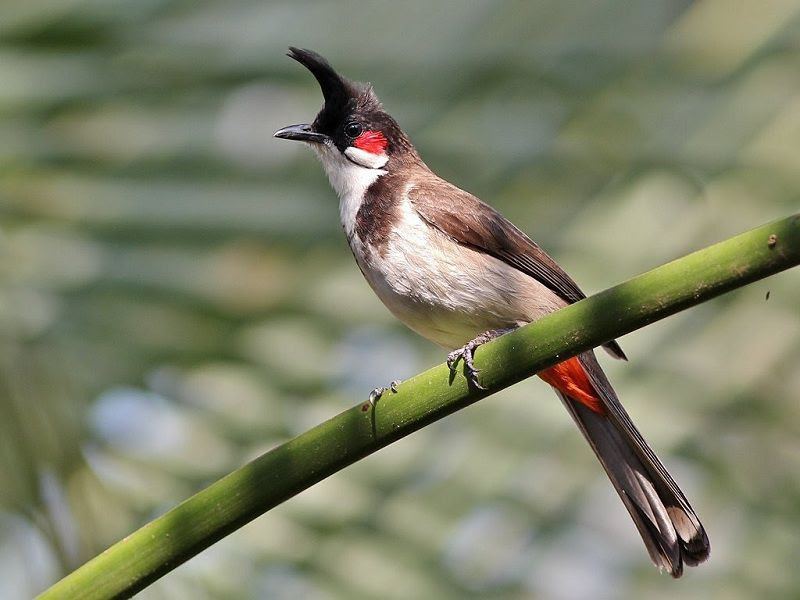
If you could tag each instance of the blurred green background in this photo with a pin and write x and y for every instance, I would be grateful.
(177, 295)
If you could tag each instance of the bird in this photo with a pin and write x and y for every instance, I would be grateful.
(457, 272)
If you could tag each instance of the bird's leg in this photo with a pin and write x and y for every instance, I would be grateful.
(467, 351)
(376, 394)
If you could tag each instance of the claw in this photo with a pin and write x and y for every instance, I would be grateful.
(469, 369)
(375, 395)
(466, 353)
(453, 358)
(378, 392)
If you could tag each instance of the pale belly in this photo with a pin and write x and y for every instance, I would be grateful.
(446, 292)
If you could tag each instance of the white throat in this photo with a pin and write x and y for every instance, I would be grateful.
(349, 180)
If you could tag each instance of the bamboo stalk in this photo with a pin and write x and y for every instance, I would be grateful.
(147, 554)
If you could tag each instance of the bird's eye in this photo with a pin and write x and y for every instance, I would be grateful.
(353, 129)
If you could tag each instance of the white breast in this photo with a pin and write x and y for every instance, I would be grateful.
(447, 292)
(444, 291)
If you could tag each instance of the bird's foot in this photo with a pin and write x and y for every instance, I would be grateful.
(378, 392)
(467, 351)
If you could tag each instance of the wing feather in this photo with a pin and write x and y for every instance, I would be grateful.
(470, 222)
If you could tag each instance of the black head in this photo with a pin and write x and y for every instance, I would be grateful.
(351, 117)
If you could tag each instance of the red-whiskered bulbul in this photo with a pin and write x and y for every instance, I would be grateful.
(458, 273)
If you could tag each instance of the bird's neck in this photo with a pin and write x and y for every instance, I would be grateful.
(368, 196)
(350, 182)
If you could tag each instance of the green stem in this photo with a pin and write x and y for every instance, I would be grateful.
(163, 544)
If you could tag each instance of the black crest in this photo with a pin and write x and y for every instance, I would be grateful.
(345, 100)
(341, 95)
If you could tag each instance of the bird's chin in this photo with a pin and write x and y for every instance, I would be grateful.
(321, 149)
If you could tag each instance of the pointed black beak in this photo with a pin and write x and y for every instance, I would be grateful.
(301, 133)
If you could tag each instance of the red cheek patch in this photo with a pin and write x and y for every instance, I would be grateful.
(372, 142)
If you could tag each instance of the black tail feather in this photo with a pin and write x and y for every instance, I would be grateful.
(669, 527)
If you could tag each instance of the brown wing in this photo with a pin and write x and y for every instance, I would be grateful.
(470, 222)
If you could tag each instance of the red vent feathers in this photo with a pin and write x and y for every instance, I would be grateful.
(371, 141)
(570, 378)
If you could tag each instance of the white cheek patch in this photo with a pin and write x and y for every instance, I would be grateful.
(366, 159)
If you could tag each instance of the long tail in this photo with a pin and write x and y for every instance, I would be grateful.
(671, 531)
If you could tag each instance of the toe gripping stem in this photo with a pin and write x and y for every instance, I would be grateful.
(467, 351)
(376, 394)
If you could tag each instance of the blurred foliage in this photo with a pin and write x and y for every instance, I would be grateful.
(177, 296)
